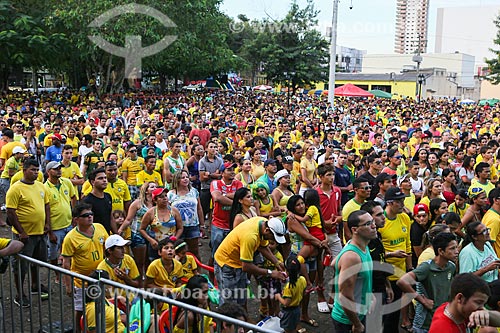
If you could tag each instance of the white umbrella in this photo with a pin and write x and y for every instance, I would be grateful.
(262, 87)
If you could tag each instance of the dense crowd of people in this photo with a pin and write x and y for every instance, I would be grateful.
(400, 199)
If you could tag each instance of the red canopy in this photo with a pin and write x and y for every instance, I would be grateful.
(351, 90)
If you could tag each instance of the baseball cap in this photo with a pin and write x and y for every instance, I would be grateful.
(403, 178)
(394, 193)
(287, 159)
(280, 174)
(222, 130)
(228, 165)
(115, 240)
(18, 149)
(418, 207)
(269, 161)
(278, 229)
(56, 136)
(52, 165)
(157, 192)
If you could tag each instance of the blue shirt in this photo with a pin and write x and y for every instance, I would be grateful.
(54, 153)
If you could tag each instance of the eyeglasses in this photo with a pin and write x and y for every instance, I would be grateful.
(331, 158)
(367, 224)
(378, 162)
(86, 215)
(484, 232)
(133, 150)
(366, 188)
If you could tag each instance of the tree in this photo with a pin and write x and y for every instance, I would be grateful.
(494, 64)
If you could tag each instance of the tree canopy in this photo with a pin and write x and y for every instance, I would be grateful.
(494, 64)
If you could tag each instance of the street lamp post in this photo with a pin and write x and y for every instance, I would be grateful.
(421, 81)
(333, 54)
(289, 77)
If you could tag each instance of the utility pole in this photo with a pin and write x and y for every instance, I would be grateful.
(333, 54)
(418, 59)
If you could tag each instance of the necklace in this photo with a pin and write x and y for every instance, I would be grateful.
(448, 314)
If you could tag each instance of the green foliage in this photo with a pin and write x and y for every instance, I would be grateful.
(494, 64)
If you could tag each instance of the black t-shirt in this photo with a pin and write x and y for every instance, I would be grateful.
(377, 252)
(342, 179)
(101, 207)
(416, 235)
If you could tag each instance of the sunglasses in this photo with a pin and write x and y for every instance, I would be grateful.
(398, 157)
(86, 215)
(133, 150)
(366, 188)
(484, 232)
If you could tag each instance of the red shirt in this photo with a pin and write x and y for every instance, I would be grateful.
(220, 216)
(204, 135)
(330, 205)
(442, 324)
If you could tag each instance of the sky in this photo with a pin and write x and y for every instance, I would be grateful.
(369, 25)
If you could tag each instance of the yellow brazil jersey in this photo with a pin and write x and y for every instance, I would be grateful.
(460, 211)
(487, 187)
(19, 175)
(161, 277)
(70, 172)
(491, 220)
(127, 265)
(86, 252)
(4, 242)
(132, 168)
(29, 202)
(119, 193)
(315, 220)
(295, 293)
(144, 177)
(60, 203)
(241, 243)
(75, 143)
(111, 317)
(365, 145)
(189, 267)
(396, 236)
(11, 163)
(207, 324)
(6, 151)
(310, 167)
(120, 153)
(350, 206)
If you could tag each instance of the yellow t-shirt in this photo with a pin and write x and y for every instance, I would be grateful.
(11, 163)
(310, 167)
(144, 177)
(487, 187)
(295, 293)
(19, 175)
(349, 207)
(60, 203)
(241, 243)
(119, 193)
(410, 202)
(492, 220)
(29, 202)
(427, 254)
(315, 219)
(189, 266)
(132, 168)
(257, 170)
(75, 143)
(4, 242)
(6, 151)
(365, 145)
(207, 323)
(459, 211)
(70, 172)
(128, 265)
(396, 236)
(120, 153)
(86, 252)
(109, 315)
(161, 277)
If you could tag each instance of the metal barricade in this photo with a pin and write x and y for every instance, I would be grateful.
(56, 313)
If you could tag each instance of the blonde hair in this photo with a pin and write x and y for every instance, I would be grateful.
(177, 178)
(143, 191)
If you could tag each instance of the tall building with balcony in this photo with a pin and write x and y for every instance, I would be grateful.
(411, 26)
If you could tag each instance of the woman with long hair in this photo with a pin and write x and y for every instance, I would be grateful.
(245, 176)
(478, 203)
(192, 165)
(477, 255)
(433, 189)
(433, 169)
(242, 208)
(466, 172)
(257, 164)
(135, 213)
(460, 204)
(308, 170)
(282, 193)
(264, 203)
(449, 185)
(421, 157)
(110, 131)
(31, 142)
(160, 222)
(437, 208)
(195, 293)
(186, 199)
(444, 157)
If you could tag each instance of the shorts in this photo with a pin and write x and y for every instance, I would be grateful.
(78, 298)
(55, 248)
(205, 200)
(334, 244)
(317, 233)
(137, 240)
(191, 232)
(35, 247)
(339, 327)
(232, 283)
(216, 237)
(4, 187)
(289, 318)
(134, 192)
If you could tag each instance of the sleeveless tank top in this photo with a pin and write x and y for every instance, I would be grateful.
(136, 223)
(162, 229)
(284, 198)
(266, 208)
(248, 181)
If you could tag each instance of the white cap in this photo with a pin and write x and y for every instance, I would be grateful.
(115, 240)
(278, 229)
(18, 149)
(280, 174)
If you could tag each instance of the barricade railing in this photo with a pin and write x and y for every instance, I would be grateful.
(56, 312)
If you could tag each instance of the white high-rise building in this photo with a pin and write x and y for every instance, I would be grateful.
(411, 26)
